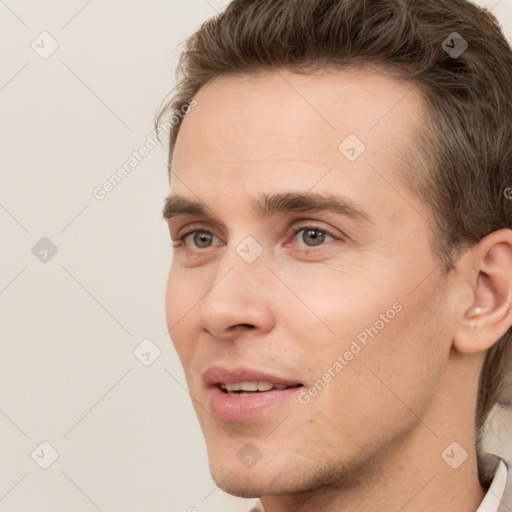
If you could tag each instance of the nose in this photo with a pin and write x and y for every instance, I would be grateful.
(238, 300)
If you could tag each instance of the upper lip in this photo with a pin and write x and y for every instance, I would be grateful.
(216, 375)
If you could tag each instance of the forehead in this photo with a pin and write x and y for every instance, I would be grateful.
(272, 130)
(322, 106)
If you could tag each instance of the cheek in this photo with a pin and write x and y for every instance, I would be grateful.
(179, 302)
(172, 301)
(337, 304)
(375, 324)
(391, 363)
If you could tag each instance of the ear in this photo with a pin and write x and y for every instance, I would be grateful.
(486, 313)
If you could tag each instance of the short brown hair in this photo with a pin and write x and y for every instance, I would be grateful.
(465, 147)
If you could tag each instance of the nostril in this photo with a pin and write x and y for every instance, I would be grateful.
(248, 326)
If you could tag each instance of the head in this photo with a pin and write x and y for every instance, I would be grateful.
(344, 225)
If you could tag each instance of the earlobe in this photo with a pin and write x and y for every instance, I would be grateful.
(488, 318)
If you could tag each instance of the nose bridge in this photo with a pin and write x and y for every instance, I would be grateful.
(238, 293)
(240, 272)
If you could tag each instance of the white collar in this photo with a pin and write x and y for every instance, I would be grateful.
(492, 499)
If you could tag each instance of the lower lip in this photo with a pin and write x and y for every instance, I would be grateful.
(242, 408)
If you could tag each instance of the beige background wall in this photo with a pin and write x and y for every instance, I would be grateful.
(126, 435)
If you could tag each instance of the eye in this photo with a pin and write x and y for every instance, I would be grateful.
(308, 236)
(312, 236)
(197, 239)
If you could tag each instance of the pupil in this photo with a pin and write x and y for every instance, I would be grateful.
(202, 239)
(316, 236)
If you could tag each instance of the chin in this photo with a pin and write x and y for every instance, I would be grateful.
(245, 483)
(264, 479)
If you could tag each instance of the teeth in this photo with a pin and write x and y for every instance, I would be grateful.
(242, 386)
(251, 386)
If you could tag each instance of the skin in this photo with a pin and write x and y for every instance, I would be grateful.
(372, 438)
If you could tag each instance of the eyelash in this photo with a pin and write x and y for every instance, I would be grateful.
(177, 242)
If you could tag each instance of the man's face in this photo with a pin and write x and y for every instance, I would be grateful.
(340, 305)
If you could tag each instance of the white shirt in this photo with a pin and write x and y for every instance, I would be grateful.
(492, 500)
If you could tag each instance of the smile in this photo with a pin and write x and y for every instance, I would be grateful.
(250, 387)
(244, 394)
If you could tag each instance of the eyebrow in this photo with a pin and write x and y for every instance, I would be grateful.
(271, 204)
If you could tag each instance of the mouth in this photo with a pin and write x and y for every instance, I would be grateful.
(249, 388)
(245, 394)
